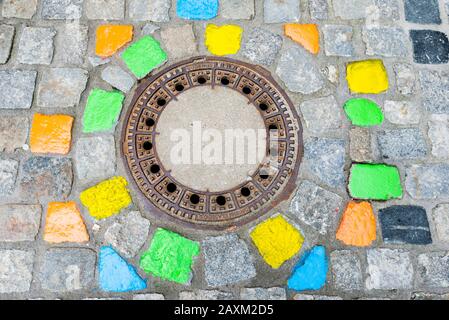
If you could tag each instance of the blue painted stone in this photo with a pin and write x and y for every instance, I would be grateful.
(310, 271)
(430, 47)
(197, 9)
(405, 224)
(422, 11)
(116, 274)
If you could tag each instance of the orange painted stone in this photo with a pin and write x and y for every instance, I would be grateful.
(306, 35)
(51, 133)
(64, 223)
(110, 38)
(358, 225)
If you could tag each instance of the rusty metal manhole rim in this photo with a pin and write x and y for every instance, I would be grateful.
(182, 71)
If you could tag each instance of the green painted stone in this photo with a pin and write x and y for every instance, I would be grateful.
(143, 56)
(102, 110)
(363, 112)
(170, 256)
(375, 182)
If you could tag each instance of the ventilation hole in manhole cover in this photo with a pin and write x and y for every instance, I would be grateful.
(175, 142)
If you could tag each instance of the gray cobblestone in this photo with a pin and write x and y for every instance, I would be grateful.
(405, 78)
(118, 78)
(389, 269)
(438, 133)
(152, 10)
(8, 176)
(281, 11)
(61, 87)
(36, 45)
(318, 9)
(95, 157)
(261, 46)
(67, 269)
(263, 294)
(387, 42)
(360, 145)
(315, 206)
(180, 41)
(6, 38)
(321, 114)
(71, 44)
(17, 88)
(16, 268)
(237, 9)
(405, 143)
(19, 222)
(352, 9)
(440, 216)
(13, 133)
(62, 9)
(338, 40)
(149, 296)
(435, 96)
(346, 270)
(23, 9)
(105, 9)
(430, 181)
(433, 270)
(299, 71)
(205, 295)
(402, 112)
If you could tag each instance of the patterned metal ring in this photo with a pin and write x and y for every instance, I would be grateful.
(162, 194)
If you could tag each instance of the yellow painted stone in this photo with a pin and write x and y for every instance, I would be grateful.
(223, 40)
(106, 198)
(277, 240)
(368, 76)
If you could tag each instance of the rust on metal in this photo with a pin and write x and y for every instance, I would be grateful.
(162, 194)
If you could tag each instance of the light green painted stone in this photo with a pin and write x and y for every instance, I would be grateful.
(143, 56)
(102, 110)
(375, 182)
(363, 112)
(170, 256)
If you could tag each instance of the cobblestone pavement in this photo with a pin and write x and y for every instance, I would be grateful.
(369, 218)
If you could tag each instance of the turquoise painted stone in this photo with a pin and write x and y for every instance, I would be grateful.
(197, 9)
(310, 271)
(116, 275)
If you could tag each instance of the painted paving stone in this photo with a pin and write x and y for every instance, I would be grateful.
(363, 112)
(306, 35)
(110, 38)
(358, 225)
(197, 9)
(51, 133)
(170, 256)
(223, 40)
(369, 76)
(311, 270)
(102, 110)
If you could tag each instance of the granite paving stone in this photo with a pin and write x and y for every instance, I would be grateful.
(149, 10)
(237, 9)
(16, 267)
(321, 114)
(385, 41)
(405, 224)
(22, 9)
(71, 44)
(36, 45)
(46, 177)
(105, 9)
(61, 87)
(325, 158)
(227, 260)
(360, 145)
(405, 78)
(281, 11)
(422, 11)
(17, 88)
(435, 96)
(128, 234)
(8, 176)
(13, 133)
(407, 143)
(149, 296)
(149, 28)
(388, 9)
(205, 295)
(180, 41)
(261, 46)
(19, 222)
(95, 157)
(352, 9)
(440, 218)
(315, 206)
(62, 9)
(402, 112)
(299, 71)
(389, 269)
(438, 133)
(118, 78)
(6, 37)
(428, 181)
(338, 40)
(67, 269)
(318, 9)
(430, 47)
(346, 270)
(263, 294)
(433, 269)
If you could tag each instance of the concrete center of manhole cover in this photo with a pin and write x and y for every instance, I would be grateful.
(211, 142)
(211, 139)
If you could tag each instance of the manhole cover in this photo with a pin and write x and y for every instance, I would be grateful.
(177, 135)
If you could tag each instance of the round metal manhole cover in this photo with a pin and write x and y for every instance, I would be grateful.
(212, 142)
